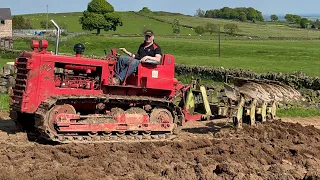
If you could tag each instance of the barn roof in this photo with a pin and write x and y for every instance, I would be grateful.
(5, 14)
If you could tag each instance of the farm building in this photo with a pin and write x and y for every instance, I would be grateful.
(5, 22)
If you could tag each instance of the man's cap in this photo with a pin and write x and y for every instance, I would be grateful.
(148, 32)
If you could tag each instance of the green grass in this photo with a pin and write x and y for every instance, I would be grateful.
(132, 23)
(4, 61)
(298, 112)
(4, 102)
(4, 98)
(259, 56)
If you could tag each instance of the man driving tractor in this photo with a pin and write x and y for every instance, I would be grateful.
(148, 51)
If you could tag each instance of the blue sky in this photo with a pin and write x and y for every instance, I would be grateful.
(182, 6)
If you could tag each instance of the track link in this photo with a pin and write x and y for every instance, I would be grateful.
(48, 134)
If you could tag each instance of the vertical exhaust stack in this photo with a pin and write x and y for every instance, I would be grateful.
(57, 37)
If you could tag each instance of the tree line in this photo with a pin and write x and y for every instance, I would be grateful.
(303, 22)
(242, 14)
(296, 19)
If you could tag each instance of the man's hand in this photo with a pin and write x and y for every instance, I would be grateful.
(127, 52)
(123, 50)
(144, 58)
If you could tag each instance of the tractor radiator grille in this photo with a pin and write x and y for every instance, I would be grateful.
(21, 81)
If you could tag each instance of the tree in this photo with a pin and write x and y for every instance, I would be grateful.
(145, 10)
(304, 23)
(43, 25)
(234, 15)
(209, 14)
(297, 19)
(211, 28)
(100, 15)
(19, 22)
(289, 18)
(317, 23)
(231, 28)
(252, 14)
(199, 30)
(200, 13)
(176, 26)
(259, 16)
(242, 17)
(274, 17)
(242, 14)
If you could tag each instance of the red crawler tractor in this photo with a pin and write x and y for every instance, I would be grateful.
(72, 98)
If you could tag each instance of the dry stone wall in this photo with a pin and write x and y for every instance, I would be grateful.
(7, 77)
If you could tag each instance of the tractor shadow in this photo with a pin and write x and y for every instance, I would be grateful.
(209, 127)
(9, 127)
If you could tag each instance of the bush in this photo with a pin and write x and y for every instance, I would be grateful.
(211, 28)
(176, 26)
(19, 22)
(231, 28)
(199, 30)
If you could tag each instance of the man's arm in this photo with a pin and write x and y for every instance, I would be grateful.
(156, 58)
(126, 51)
(158, 55)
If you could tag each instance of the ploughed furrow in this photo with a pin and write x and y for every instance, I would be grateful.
(52, 133)
(266, 90)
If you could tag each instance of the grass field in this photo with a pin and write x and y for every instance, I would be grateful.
(259, 56)
(133, 24)
(298, 112)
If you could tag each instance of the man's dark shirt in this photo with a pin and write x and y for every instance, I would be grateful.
(148, 51)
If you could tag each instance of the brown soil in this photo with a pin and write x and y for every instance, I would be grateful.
(277, 150)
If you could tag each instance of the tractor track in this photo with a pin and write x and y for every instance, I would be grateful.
(48, 134)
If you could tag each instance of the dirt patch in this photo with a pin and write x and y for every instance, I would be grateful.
(277, 150)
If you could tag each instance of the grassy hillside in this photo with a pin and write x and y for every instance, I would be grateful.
(133, 24)
(259, 56)
(260, 29)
